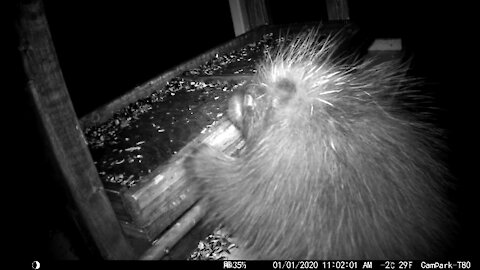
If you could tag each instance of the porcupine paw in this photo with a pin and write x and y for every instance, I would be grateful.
(199, 162)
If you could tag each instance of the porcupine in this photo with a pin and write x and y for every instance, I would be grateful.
(336, 163)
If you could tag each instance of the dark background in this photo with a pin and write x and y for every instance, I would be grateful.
(106, 48)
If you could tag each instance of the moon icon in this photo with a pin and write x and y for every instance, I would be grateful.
(35, 265)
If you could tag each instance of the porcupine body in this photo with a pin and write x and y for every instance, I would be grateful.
(336, 164)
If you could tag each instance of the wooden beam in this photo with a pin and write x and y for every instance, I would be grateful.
(64, 135)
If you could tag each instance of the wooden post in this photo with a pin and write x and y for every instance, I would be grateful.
(57, 116)
(248, 14)
(337, 10)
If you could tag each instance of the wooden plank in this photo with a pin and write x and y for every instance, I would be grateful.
(189, 242)
(175, 233)
(168, 214)
(386, 44)
(57, 116)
